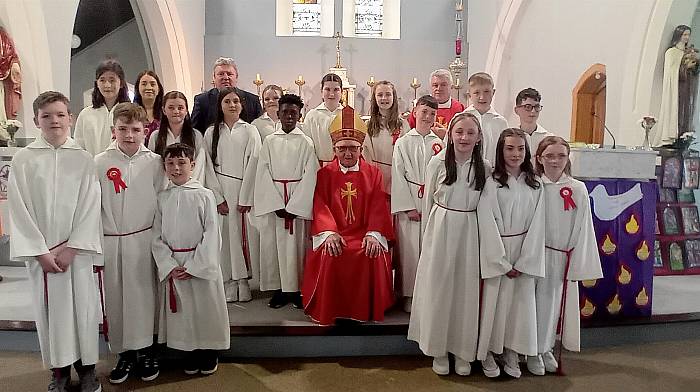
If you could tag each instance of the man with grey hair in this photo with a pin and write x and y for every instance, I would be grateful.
(440, 86)
(225, 75)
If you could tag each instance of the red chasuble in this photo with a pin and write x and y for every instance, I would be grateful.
(351, 285)
(444, 115)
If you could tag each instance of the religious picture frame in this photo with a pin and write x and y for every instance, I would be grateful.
(670, 221)
(658, 259)
(675, 256)
(691, 221)
(671, 172)
(692, 251)
(691, 172)
(686, 195)
(667, 195)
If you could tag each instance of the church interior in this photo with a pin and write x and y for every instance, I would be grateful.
(604, 74)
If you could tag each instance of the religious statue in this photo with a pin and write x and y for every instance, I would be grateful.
(679, 88)
(11, 77)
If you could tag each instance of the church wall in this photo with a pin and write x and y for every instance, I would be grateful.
(123, 44)
(245, 30)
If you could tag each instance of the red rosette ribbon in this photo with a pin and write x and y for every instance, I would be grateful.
(567, 194)
(437, 147)
(115, 175)
(395, 136)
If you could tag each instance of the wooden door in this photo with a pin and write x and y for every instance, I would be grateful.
(588, 110)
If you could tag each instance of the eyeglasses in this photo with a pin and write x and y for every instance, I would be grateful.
(555, 157)
(529, 107)
(348, 148)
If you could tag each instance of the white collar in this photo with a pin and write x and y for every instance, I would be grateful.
(445, 105)
(191, 184)
(240, 121)
(565, 178)
(472, 110)
(345, 170)
(40, 142)
(267, 117)
(414, 132)
(295, 131)
(323, 107)
(115, 146)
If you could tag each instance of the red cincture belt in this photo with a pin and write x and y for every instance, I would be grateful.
(171, 285)
(421, 187)
(288, 223)
(454, 209)
(130, 233)
(562, 307)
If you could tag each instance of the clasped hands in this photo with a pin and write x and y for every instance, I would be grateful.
(222, 208)
(179, 273)
(283, 214)
(334, 243)
(58, 259)
(513, 273)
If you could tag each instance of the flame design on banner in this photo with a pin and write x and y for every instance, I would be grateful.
(589, 283)
(614, 305)
(642, 298)
(625, 275)
(632, 226)
(587, 309)
(608, 246)
(643, 251)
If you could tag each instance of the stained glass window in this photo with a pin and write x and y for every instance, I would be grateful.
(306, 17)
(369, 18)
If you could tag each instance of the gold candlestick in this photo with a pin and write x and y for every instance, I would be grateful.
(415, 85)
(457, 86)
(371, 82)
(258, 82)
(300, 82)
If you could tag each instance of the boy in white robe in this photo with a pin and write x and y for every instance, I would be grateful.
(412, 153)
(508, 316)
(318, 119)
(130, 177)
(528, 108)
(284, 189)
(193, 314)
(481, 91)
(54, 205)
(232, 146)
(571, 255)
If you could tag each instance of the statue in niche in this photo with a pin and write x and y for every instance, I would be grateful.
(11, 77)
(679, 88)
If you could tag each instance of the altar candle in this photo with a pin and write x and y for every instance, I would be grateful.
(300, 78)
(415, 81)
(371, 79)
(257, 77)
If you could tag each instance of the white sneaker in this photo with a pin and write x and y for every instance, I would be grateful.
(490, 367)
(231, 290)
(408, 302)
(535, 365)
(550, 364)
(441, 365)
(462, 367)
(511, 367)
(244, 291)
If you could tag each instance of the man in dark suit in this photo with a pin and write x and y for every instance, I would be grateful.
(225, 75)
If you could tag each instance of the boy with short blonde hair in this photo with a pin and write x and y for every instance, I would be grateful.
(481, 91)
(54, 203)
(130, 177)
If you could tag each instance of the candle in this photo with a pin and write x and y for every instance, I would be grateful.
(415, 81)
(300, 78)
(457, 83)
(371, 79)
(257, 77)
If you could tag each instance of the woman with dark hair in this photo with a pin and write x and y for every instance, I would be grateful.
(232, 146)
(675, 93)
(176, 127)
(445, 311)
(93, 128)
(149, 95)
(318, 119)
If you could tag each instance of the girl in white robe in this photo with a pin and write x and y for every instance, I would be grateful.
(128, 210)
(193, 312)
(177, 127)
(384, 128)
(54, 207)
(318, 119)
(445, 312)
(232, 146)
(268, 123)
(93, 128)
(508, 317)
(571, 254)
(411, 156)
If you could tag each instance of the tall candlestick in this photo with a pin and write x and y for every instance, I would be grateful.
(258, 82)
(415, 85)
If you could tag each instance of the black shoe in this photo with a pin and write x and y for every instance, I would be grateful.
(191, 363)
(209, 362)
(121, 372)
(295, 299)
(149, 369)
(279, 299)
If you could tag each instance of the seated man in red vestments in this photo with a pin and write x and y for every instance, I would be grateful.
(348, 272)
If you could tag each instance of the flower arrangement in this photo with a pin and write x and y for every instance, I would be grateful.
(8, 128)
(647, 122)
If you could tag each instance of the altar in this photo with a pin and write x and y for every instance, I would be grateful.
(622, 189)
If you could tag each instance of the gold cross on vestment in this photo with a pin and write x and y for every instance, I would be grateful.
(349, 193)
